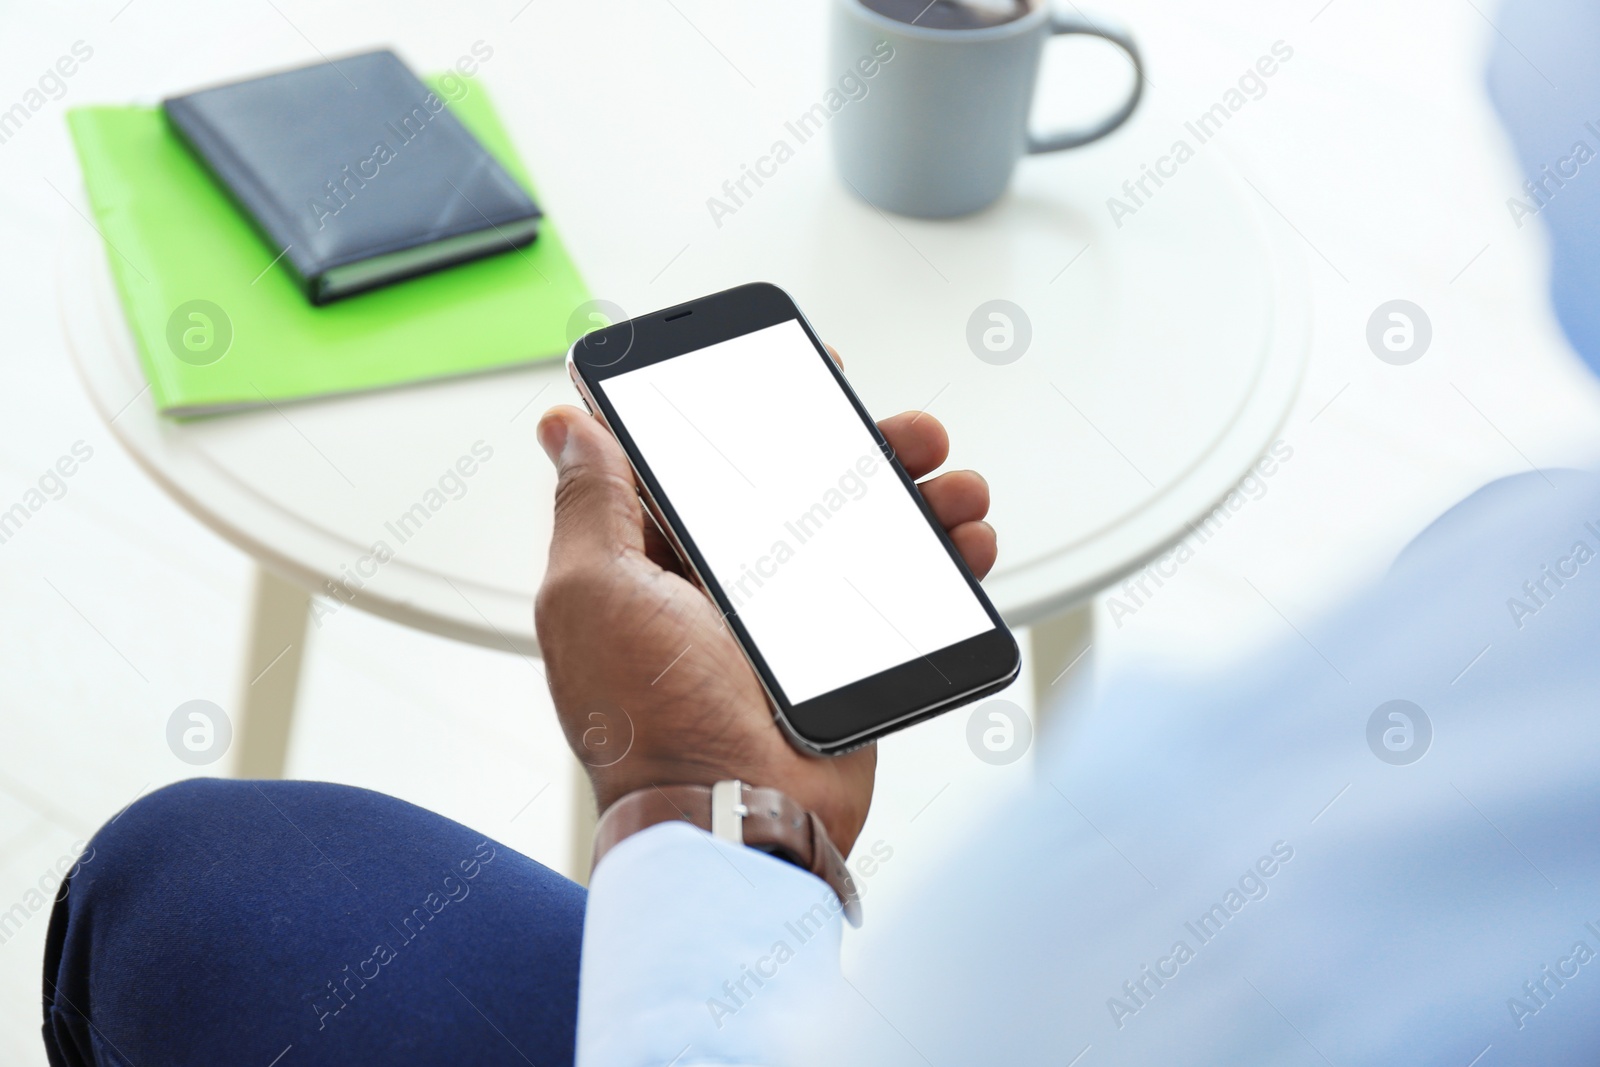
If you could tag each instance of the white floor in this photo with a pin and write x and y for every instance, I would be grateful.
(1376, 142)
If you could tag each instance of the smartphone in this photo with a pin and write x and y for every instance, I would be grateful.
(787, 506)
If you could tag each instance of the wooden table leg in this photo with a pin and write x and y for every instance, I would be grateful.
(272, 676)
(1062, 665)
(584, 818)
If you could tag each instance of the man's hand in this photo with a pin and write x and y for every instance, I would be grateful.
(650, 686)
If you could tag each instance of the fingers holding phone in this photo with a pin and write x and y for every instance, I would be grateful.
(853, 606)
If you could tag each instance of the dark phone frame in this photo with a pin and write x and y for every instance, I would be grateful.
(867, 709)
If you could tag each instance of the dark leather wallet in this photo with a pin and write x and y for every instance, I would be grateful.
(355, 171)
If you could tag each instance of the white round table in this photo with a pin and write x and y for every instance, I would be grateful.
(1165, 352)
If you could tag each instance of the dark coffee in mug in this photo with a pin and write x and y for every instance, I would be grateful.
(951, 14)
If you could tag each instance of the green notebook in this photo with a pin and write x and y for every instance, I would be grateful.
(220, 327)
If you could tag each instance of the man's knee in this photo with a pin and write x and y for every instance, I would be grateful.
(121, 875)
(181, 807)
(137, 840)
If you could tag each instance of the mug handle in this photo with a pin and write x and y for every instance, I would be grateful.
(1063, 24)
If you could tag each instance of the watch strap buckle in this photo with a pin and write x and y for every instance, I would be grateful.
(728, 810)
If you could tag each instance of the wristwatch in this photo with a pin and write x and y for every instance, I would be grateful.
(763, 819)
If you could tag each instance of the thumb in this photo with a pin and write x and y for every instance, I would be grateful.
(597, 510)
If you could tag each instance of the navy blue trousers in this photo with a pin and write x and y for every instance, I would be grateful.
(301, 923)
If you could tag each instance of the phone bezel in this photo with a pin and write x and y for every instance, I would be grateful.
(855, 714)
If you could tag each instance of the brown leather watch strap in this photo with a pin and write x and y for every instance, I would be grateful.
(763, 819)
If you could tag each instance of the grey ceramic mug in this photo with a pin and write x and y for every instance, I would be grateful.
(945, 118)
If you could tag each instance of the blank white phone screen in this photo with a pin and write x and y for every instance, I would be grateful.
(827, 559)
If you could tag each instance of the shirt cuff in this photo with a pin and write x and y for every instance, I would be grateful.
(697, 950)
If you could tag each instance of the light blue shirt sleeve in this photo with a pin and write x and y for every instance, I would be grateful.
(698, 951)
(1374, 845)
